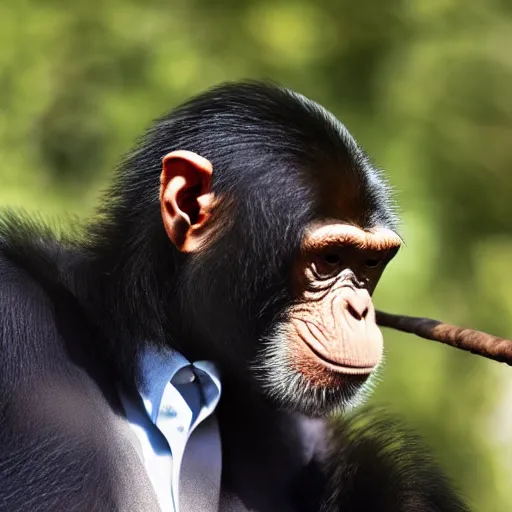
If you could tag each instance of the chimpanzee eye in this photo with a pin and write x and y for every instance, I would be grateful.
(332, 258)
(373, 263)
(327, 264)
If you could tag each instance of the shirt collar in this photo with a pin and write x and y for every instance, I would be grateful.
(157, 366)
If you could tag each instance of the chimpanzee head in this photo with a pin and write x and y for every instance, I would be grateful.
(278, 228)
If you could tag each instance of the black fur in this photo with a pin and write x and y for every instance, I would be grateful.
(376, 464)
(75, 311)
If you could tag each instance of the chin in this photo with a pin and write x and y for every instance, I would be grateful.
(297, 381)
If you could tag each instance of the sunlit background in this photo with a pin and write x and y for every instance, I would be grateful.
(425, 86)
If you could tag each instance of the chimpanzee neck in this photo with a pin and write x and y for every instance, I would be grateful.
(126, 283)
(132, 301)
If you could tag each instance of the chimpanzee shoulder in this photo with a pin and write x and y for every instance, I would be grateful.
(374, 463)
(57, 416)
(44, 328)
(25, 302)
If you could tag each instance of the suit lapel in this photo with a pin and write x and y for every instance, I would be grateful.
(201, 469)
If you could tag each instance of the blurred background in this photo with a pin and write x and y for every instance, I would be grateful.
(425, 86)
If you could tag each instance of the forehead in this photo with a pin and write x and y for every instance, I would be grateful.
(350, 195)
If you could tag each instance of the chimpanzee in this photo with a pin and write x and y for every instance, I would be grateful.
(192, 346)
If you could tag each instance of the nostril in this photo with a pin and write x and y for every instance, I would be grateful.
(353, 312)
(358, 309)
(356, 314)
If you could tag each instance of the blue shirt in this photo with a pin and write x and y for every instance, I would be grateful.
(176, 396)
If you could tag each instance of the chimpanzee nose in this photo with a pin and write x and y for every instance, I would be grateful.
(358, 305)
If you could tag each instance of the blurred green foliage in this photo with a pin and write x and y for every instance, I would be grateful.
(424, 85)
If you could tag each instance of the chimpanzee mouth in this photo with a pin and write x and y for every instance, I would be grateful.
(330, 364)
(336, 366)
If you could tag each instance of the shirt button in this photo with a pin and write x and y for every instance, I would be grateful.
(168, 411)
(184, 376)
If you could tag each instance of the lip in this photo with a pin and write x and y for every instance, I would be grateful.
(335, 366)
(338, 367)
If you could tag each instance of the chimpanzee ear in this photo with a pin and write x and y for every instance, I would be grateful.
(185, 198)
